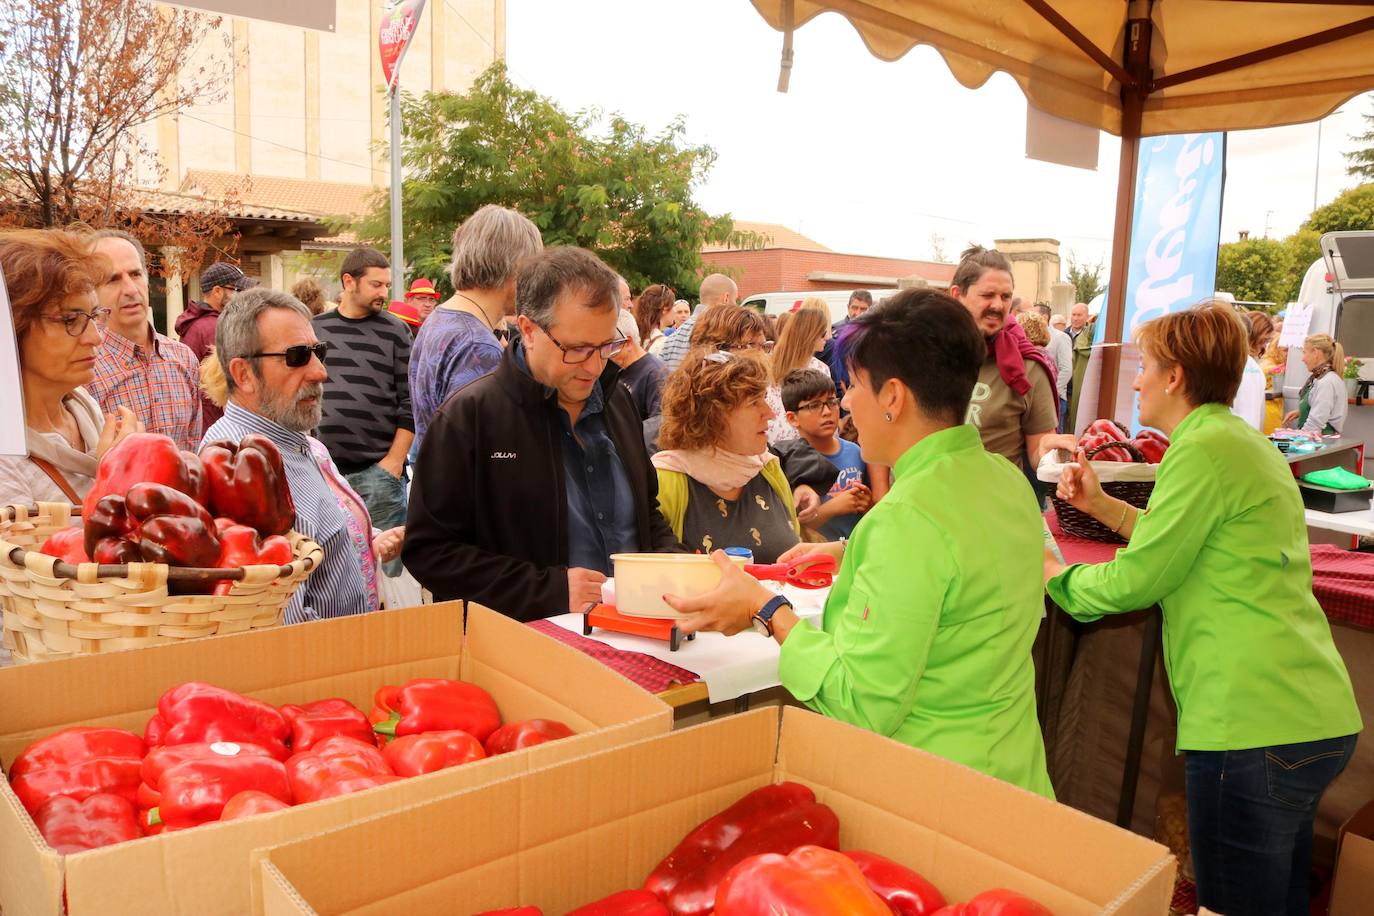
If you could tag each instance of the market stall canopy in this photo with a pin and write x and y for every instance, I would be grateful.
(1213, 64)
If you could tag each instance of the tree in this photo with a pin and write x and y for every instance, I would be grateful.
(1353, 209)
(623, 193)
(1086, 279)
(1255, 270)
(1362, 160)
(77, 80)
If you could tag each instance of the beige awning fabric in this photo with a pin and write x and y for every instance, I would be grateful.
(1330, 59)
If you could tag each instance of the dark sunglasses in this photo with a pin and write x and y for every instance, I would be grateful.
(299, 355)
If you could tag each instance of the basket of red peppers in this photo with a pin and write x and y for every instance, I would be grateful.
(1125, 465)
(167, 545)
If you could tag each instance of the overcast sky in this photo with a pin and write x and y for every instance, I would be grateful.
(867, 156)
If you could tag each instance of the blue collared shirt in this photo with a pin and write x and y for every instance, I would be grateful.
(345, 583)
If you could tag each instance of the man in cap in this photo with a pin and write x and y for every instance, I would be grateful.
(423, 296)
(196, 326)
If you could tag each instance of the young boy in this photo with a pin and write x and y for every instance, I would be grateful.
(809, 399)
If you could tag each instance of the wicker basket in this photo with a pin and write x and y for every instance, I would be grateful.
(1135, 492)
(53, 609)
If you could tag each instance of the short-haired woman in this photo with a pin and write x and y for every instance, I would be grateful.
(729, 328)
(805, 335)
(653, 312)
(718, 485)
(1267, 717)
(927, 632)
(51, 277)
(1323, 400)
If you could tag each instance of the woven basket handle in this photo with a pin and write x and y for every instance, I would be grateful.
(1136, 453)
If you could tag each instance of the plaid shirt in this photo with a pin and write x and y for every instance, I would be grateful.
(160, 385)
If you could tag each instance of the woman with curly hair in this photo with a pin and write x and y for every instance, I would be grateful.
(718, 485)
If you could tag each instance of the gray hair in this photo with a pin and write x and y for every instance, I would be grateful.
(545, 277)
(489, 245)
(236, 333)
(129, 237)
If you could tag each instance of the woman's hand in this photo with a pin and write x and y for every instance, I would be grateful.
(1079, 486)
(117, 426)
(1290, 418)
(730, 608)
(830, 548)
(1052, 565)
(387, 545)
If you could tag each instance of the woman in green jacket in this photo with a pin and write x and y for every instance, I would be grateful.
(926, 635)
(1267, 717)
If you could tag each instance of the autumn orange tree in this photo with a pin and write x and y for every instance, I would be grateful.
(77, 80)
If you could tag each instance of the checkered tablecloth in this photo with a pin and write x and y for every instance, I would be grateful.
(648, 672)
(1342, 580)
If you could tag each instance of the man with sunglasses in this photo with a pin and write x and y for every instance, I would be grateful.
(531, 477)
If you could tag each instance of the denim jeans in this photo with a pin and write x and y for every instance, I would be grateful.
(1250, 818)
(385, 498)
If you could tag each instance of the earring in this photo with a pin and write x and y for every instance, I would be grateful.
(887, 417)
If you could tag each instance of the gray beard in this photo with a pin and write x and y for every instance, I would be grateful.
(289, 413)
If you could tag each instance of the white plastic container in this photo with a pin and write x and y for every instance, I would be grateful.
(642, 579)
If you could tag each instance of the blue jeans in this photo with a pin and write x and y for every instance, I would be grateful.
(385, 498)
(1250, 818)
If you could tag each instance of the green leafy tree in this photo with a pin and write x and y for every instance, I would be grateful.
(1304, 247)
(1086, 279)
(1353, 209)
(1256, 270)
(621, 192)
(1362, 160)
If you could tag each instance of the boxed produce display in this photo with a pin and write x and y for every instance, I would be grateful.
(141, 781)
(742, 815)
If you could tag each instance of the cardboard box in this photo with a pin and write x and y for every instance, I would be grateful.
(1353, 886)
(207, 870)
(570, 834)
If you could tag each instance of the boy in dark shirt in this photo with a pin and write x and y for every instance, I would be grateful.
(809, 399)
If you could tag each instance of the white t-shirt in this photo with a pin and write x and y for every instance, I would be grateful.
(1249, 402)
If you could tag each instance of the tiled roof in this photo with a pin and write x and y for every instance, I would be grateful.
(774, 235)
(319, 198)
(170, 202)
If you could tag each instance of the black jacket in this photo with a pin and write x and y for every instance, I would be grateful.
(488, 507)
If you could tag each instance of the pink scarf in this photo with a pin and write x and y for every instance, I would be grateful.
(1012, 348)
(714, 467)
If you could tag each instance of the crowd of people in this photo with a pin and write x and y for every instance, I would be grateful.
(505, 443)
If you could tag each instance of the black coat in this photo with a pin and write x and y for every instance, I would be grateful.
(488, 508)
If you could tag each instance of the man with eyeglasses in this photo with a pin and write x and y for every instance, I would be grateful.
(138, 368)
(532, 476)
(273, 365)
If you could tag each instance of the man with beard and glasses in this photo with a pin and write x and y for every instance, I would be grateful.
(273, 368)
(367, 421)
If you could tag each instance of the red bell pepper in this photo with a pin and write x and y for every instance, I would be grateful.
(78, 763)
(161, 759)
(71, 826)
(415, 755)
(1091, 441)
(433, 704)
(241, 545)
(997, 902)
(1152, 444)
(1110, 428)
(903, 890)
(68, 545)
(248, 484)
(195, 782)
(198, 712)
(336, 766)
(809, 881)
(516, 735)
(313, 722)
(164, 525)
(624, 903)
(145, 458)
(108, 532)
(249, 803)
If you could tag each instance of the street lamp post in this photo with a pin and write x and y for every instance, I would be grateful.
(1317, 172)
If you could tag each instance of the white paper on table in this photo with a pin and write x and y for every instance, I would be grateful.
(12, 423)
(1296, 324)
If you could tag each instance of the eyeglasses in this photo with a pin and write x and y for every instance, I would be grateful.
(737, 347)
(76, 321)
(577, 355)
(299, 355)
(827, 404)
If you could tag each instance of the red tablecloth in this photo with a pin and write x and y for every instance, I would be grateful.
(648, 672)
(1342, 580)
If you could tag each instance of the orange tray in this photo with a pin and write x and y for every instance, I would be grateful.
(606, 617)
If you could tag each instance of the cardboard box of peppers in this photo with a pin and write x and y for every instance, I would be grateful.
(211, 754)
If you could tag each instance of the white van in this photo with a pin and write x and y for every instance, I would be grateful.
(1340, 289)
(770, 304)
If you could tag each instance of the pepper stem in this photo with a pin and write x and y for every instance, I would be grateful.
(388, 727)
(154, 817)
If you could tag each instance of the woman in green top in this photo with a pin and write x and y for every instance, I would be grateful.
(1267, 717)
(927, 633)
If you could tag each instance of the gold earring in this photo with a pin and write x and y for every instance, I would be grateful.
(887, 417)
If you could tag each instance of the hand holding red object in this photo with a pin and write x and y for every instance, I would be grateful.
(313, 722)
(145, 458)
(247, 482)
(194, 789)
(78, 763)
(415, 755)
(251, 802)
(336, 766)
(623, 903)
(516, 735)
(68, 545)
(809, 881)
(199, 712)
(432, 704)
(903, 890)
(997, 902)
(71, 826)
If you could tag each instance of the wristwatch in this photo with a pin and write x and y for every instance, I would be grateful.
(763, 620)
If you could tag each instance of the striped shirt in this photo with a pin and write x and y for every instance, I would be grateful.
(676, 346)
(368, 396)
(160, 384)
(346, 582)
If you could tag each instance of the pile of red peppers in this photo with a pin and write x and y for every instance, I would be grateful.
(210, 754)
(151, 502)
(776, 851)
(1151, 443)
